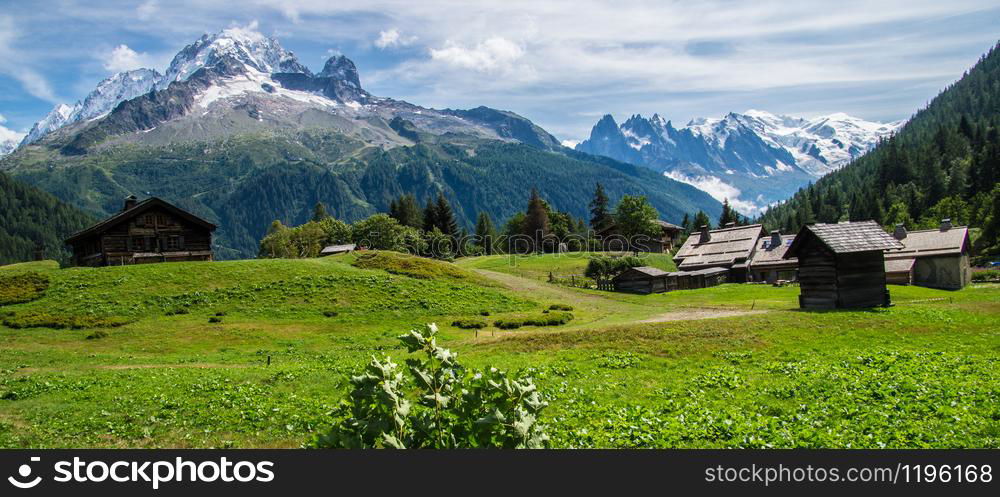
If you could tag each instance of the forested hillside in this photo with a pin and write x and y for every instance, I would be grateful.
(244, 183)
(29, 217)
(943, 163)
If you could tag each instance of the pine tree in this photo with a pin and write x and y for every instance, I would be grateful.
(485, 233)
(728, 214)
(600, 215)
(536, 222)
(319, 212)
(700, 219)
(430, 216)
(406, 211)
(445, 217)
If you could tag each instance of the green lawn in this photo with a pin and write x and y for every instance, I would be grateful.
(730, 366)
(559, 265)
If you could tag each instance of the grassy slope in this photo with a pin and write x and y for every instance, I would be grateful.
(921, 373)
(560, 265)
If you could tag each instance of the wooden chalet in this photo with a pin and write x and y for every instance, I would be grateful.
(144, 232)
(842, 265)
(669, 237)
(730, 247)
(768, 264)
(936, 258)
(643, 279)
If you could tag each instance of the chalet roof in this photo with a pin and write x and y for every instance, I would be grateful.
(668, 226)
(644, 270)
(724, 247)
(662, 224)
(925, 243)
(139, 208)
(845, 238)
(766, 255)
(336, 249)
(899, 265)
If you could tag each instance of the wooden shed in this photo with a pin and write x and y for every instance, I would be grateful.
(144, 232)
(936, 258)
(842, 265)
(642, 279)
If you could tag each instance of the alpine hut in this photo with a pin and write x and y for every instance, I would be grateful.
(936, 258)
(643, 279)
(144, 232)
(842, 265)
(730, 247)
(769, 264)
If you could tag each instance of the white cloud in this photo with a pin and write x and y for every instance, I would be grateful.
(392, 38)
(146, 10)
(495, 54)
(719, 190)
(14, 65)
(123, 58)
(7, 135)
(570, 143)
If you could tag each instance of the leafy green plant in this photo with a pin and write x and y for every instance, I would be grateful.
(41, 319)
(439, 404)
(215, 319)
(988, 275)
(560, 307)
(545, 319)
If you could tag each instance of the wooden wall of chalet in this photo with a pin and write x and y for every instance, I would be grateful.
(829, 280)
(134, 240)
(945, 272)
(641, 284)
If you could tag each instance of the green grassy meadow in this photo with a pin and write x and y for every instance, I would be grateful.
(176, 355)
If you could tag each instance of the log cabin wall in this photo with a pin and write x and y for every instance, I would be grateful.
(861, 279)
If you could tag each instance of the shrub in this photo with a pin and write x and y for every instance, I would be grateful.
(470, 324)
(439, 404)
(988, 275)
(220, 313)
(22, 287)
(549, 319)
(560, 307)
(97, 335)
(40, 319)
(331, 314)
(215, 319)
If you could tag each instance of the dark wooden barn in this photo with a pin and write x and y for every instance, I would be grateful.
(842, 265)
(144, 232)
(643, 279)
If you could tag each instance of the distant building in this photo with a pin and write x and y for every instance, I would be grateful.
(337, 249)
(730, 247)
(936, 258)
(669, 237)
(144, 232)
(769, 264)
(644, 279)
(842, 265)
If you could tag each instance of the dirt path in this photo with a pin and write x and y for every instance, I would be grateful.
(555, 292)
(692, 314)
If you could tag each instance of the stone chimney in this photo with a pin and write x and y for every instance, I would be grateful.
(946, 224)
(900, 232)
(775, 239)
(705, 235)
(130, 202)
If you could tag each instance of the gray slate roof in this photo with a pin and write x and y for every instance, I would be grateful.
(336, 249)
(846, 238)
(724, 247)
(925, 243)
(766, 255)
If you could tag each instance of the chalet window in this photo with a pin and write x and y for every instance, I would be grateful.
(149, 220)
(160, 220)
(138, 244)
(173, 243)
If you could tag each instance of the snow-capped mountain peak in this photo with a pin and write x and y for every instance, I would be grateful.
(753, 159)
(246, 46)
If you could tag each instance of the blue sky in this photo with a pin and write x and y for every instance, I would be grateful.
(562, 64)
